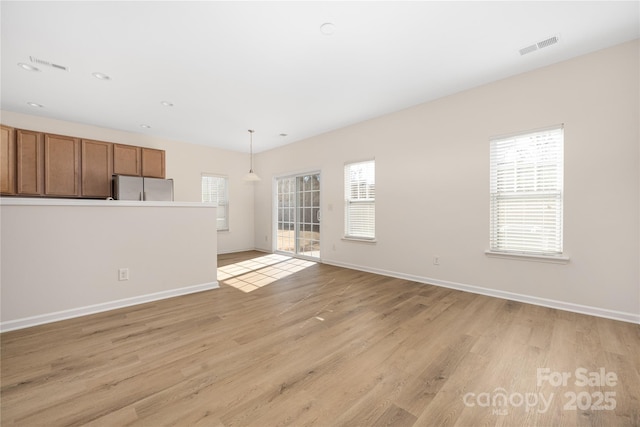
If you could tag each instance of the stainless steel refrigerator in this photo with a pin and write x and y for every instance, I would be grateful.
(139, 188)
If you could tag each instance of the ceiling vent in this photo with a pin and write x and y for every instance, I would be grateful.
(548, 42)
(528, 49)
(540, 45)
(48, 64)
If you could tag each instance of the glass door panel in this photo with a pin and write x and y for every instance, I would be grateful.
(298, 222)
(286, 241)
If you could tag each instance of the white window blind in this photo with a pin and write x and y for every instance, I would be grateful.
(360, 200)
(526, 193)
(214, 190)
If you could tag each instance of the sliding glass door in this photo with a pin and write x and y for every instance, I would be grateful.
(298, 215)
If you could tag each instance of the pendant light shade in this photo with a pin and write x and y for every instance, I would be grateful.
(251, 176)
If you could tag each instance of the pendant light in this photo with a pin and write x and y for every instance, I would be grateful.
(251, 176)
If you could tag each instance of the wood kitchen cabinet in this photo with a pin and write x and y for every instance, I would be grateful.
(127, 160)
(40, 164)
(61, 166)
(29, 163)
(97, 168)
(153, 163)
(7, 160)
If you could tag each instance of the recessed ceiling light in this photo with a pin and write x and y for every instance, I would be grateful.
(101, 76)
(167, 103)
(145, 126)
(28, 67)
(327, 28)
(35, 104)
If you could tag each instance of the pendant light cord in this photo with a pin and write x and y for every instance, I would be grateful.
(251, 150)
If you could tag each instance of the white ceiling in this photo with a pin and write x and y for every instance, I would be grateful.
(232, 66)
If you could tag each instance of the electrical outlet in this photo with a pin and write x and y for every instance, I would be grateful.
(123, 274)
(436, 260)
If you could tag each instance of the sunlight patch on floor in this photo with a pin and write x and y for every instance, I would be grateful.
(255, 273)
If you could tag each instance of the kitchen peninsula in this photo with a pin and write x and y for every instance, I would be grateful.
(65, 258)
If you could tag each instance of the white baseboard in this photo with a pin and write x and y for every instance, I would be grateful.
(97, 308)
(560, 305)
(235, 251)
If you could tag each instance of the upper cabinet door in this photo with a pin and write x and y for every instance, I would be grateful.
(97, 168)
(7, 160)
(153, 163)
(29, 163)
(127, 160)
(61, 165)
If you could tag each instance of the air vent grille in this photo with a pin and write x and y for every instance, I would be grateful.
(547, 42)
(539, 45)
(48, 64)
(528, 49)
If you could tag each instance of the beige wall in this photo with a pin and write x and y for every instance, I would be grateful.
(432, 179)
(184, 163)
(61, 259)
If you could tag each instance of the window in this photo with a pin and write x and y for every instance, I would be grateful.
(214, 190)
(526, 193)
(360, 200)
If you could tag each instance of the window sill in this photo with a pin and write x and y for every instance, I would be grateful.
(552, 259)
(356, 239)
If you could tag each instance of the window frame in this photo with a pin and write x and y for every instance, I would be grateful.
(221, 206)
(533, 185)
(349, 202)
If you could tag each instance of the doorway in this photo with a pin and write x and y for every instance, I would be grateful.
(298, 215)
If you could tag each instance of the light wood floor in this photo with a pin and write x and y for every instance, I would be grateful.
(321, 346)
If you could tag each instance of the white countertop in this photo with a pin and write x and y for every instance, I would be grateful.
(42, 201)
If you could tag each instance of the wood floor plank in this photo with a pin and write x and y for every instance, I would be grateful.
(316, 345)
